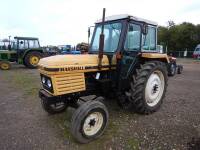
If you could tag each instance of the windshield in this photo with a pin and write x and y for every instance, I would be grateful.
(197, 49)
(112, 34)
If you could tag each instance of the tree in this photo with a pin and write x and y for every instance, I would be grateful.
(179, 37)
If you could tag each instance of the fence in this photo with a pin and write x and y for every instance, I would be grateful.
(180, 54)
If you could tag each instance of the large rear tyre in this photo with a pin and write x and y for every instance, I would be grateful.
(53, 108)
(147, 89)
(32, 59)
(89, 121)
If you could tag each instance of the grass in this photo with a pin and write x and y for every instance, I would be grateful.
(132, 144)
(28, 82)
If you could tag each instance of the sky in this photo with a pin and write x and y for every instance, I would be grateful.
(60, 22)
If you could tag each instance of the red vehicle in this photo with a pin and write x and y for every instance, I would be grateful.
(173, 67)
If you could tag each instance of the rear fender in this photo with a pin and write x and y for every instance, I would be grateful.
(156, 56)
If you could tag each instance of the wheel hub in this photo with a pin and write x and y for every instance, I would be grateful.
(4, 66)
(93, 123)
(34, 60)
(154, 88)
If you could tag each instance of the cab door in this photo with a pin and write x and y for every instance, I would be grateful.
(132, 46)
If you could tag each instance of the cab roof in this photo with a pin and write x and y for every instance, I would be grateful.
(127, 16)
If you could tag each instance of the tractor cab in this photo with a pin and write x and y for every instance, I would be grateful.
(127, 39)
(125, 33)
(22, 43)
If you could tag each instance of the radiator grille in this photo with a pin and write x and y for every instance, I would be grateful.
(69, 83)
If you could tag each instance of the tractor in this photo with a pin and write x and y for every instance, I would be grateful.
(23, 50)
(122, 63)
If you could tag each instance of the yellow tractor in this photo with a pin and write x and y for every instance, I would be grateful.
(122, 62)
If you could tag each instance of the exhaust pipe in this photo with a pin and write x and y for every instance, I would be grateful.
(101, 40)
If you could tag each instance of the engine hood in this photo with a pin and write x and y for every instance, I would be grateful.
(62, 61)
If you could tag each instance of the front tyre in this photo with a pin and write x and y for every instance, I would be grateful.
(149, 87)
(89, 121)
(5, 65)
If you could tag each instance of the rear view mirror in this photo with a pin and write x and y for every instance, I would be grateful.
(88, 32)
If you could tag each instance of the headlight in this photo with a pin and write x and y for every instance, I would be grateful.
(43, 80)
(46, 83)
(49, 83)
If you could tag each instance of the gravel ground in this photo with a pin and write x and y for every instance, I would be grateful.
(24, 125)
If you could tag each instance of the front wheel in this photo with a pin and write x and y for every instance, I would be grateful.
(89, 121)
(5, 65)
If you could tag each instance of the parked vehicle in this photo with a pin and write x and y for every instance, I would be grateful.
(173, 67)
(67, 49)
(122, 61)
(23, 50)
(196, 53)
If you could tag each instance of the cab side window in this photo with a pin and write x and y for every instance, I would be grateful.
(33, 44)
(25, 44)
(133, 39)
(21, 44)
(149, 40)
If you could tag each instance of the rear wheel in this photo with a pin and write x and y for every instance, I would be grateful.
(53, 108)
(150, 87)
(180, 69)
(89, 121)
(147, 89)
(32, 59)
(5, 65)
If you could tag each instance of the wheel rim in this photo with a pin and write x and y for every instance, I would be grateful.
(58, 106)
(34, 60)
(93, 123)
(154, 88)
(4, 66)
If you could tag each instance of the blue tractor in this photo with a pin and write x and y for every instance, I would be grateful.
(67, 49)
